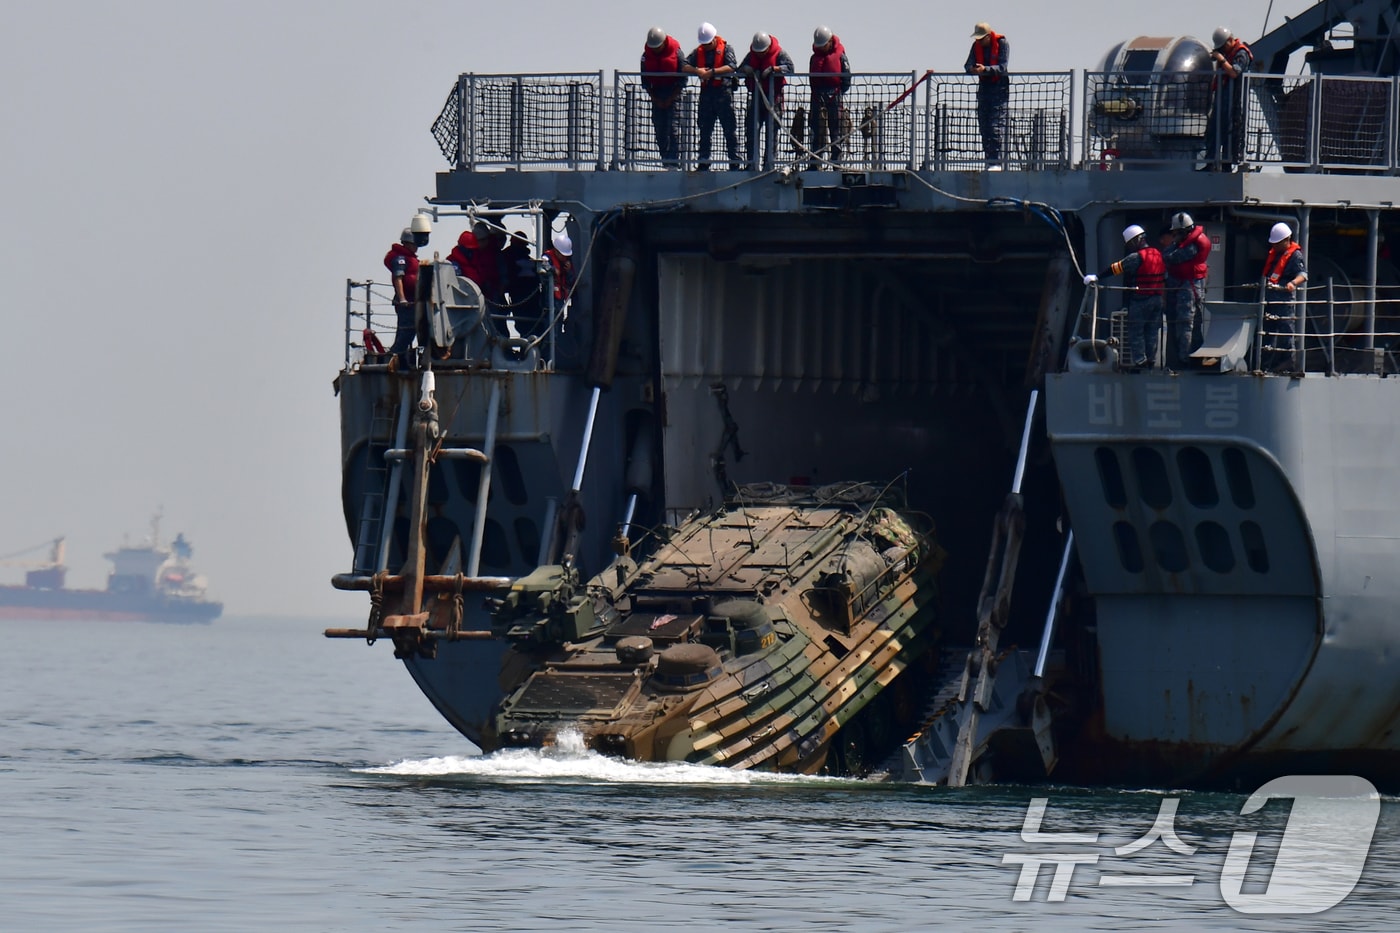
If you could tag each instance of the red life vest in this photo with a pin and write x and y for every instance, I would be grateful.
(1230, 49)
(1194, 269)
(410, 276)
(716, 56)
(989, 54)
(477, 264)
(1278, 261)
(667, 59)
(1152, 274)
(825, 67)
(761, 62)
(563, 267)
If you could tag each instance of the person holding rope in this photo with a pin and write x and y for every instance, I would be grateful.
(765, 69)
(1144, 275)
(831, 78)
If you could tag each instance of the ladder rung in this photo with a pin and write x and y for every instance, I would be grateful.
(447, 453)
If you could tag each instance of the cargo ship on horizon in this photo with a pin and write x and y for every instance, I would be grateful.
(149, 582)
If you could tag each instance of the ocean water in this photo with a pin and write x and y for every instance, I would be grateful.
(251, 775)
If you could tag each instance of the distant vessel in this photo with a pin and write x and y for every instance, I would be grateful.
(149, 582)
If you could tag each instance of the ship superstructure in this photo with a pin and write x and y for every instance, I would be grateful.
(1165, 576)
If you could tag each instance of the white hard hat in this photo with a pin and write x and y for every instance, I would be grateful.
(1132, 232)
(706, 34)
(406, 236)
(656, 37)
(421, 223)
(821, 37)
(761, 41)
(1182, 221)
(1279, 233)
(1221, 35)
(563, 244)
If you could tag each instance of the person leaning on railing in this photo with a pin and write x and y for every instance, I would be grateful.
(664, 82)
(831, 78)
(713, 62)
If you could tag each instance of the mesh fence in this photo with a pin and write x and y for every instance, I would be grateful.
(1330, 122)
(868, 132)
(1146, 116)
(519, 120)
(1033, 129)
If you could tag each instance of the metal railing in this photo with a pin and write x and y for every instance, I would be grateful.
(580, 122)
(1329, 328)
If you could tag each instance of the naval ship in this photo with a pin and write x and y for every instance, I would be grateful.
(1176, 574)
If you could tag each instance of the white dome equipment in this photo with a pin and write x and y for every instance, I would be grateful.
(420, 227)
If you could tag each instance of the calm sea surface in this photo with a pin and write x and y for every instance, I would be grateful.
(253, 776)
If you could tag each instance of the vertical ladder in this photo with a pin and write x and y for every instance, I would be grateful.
(372, 509)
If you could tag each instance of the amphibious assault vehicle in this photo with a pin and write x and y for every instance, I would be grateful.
(750, 638)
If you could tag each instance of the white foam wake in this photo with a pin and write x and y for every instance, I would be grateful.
(569, 760)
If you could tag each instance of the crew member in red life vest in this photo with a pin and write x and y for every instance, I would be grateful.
(1186, 281)
(561, 267)
(765, 71)
(1144, 275)
(1284, 274)
(1232, 58)
(664, 82)
(474, 257)
(988, 60)
(402, 263)
(831, 79)
(713, 62)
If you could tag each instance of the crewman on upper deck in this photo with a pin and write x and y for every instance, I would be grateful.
(1232, 58)
(765, 69)
(1144, 275)
(664, 83)
(714, 63)
(831, 78)
(988, 60)
(1284, 274)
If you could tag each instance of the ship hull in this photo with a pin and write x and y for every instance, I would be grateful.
(1238, 536)
(18, 602)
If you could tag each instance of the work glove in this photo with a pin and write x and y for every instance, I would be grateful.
(1090, 279)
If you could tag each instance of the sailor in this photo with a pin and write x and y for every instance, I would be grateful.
(561, 266)
(402, 263)
(988, 59)
(765, 71)
(713, 62)
(1284, 274)
(1144, 274)
(831, 79)
(664, 82)
(1231, 58)
(1186, 275)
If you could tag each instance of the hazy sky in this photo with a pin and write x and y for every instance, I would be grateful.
(187, 186)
